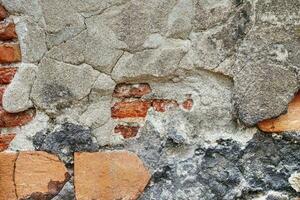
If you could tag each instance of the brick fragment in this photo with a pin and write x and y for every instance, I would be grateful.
(3, 13)
(7, 74)
(127, 131)
(109, 175)
(10, 53)
(39, 175)
(125, 90)
(162, 105)
(7, 187)
(2, 89)
(7, 31)
(287, 122)
(188, 104)
(5, 140)
(130, 109)
(15, 119)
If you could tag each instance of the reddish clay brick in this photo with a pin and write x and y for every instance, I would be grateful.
(127, 131)
(125, 90)
(130, 109)
(5, 140)
(109, 176)
(3, 13)
(39, 175)
(7, 74)
(7, 31)
(10, 53)
(161, 105)
(15, 119)
(7, 166)
(2, 89)
(188, 104)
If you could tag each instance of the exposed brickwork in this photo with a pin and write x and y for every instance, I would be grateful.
(131, 109)
(7, 187)
(109, 176)
(127, 131)
(5, 140)
(7, 31)
(2, 90)
(15, 119)
(131, 90)
(3, 13)
(7, 74)
(287, 122)
(162, 105)
(10, 53)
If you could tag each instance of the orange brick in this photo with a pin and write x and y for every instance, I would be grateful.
(3, 13)
(10, 53)
(7, 31)
(161, 105)
(39, 175)
(5, 140)
(15, 119)
(2, 89)
(125, 90)
(109, 175)
(287, 122)
(137, 108)
(127, 131)
(7, 187)
(7, 74)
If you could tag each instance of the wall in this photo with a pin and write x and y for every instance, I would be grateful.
(157, 99)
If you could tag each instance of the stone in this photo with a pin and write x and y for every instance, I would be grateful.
(130, 109)
(5, 140)
(3, 13)
(8, 120)
(102, 49)
(32, 40)
(294, 180)
(103, 170)
(17, 95)
(2, 90)
(57, 85)
(97, 113)
(127, 131)
(65, 140)
(7, 169)
(152, 64)
(61, 30)
(125, 90)
(7, 74)
(7, 31)
(285, 122)
(66, 193)
(162, 105)
(39, 175)
(71, 51)
(10, 53)
(103, 86)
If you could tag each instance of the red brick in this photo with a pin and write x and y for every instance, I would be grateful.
(127, 131)
(188, 104)
(125, 90)
(161, 105)
(10, 53)
(5, 140)
(130, 109)
(15, 119)
(3, 13)
(7, 31)
(7, 166)
(7, 74)
(2, 89)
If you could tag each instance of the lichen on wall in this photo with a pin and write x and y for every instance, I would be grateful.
(179, 83)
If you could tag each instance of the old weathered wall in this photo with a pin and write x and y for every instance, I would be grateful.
(158, 99)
